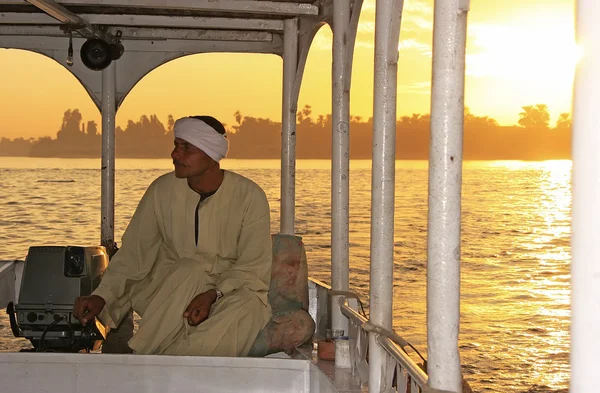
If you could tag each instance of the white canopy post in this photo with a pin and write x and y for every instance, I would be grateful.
(340, 159)
(585, 248)
(109, 108)
(445, 180)
(387, 30)
(288, 128)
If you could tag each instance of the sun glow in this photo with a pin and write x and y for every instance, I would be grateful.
(531, 49)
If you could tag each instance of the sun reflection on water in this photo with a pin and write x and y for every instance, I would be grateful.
(555, 209)
(515, 272)
(556, 206)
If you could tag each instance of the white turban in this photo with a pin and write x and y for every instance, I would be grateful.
(203, 136)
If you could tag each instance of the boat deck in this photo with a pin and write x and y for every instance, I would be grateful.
(324, 373)
(72, 373)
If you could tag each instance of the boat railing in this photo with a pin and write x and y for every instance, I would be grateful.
(403, 374)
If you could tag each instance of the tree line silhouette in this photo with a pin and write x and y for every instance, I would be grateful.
(533, 138)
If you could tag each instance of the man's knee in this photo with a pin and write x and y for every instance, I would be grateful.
(241, 297)
(245, 304)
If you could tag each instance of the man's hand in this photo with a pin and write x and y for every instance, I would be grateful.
(86, 308)
(199, 307)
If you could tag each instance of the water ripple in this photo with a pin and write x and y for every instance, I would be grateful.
(515, 250)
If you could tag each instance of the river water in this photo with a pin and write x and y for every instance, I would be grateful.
(515, 305)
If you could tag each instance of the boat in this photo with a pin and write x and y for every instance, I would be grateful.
(118, 42)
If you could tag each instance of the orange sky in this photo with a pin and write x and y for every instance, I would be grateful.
(520, 52)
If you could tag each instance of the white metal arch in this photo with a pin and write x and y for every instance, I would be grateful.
(130, 68)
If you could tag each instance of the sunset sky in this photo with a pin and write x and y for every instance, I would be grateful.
(520, 52)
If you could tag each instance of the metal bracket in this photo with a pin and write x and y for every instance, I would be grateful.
(72, 20)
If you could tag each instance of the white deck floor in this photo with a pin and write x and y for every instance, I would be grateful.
(99, 373)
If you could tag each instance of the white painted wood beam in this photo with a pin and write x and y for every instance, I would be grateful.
(17, 18)
(130, 33)
(38, 44)
(237, 6)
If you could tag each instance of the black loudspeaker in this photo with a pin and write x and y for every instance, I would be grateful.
(96, 54)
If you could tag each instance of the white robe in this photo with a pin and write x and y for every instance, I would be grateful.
(159, 269)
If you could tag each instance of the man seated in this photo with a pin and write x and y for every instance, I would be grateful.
(195, 260)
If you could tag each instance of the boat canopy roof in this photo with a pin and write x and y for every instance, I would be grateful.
(218, 21)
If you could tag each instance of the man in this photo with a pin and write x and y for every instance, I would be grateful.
(195, 260)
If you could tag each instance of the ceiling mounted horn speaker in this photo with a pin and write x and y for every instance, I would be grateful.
(116, 50)
(96, 54)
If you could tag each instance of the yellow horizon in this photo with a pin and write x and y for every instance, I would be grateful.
(518, 53)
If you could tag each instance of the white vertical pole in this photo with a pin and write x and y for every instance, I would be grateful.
(340, 160)
(387, 30)
(109, 90)
(288, 127)
(585, 266)
(445, 179)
